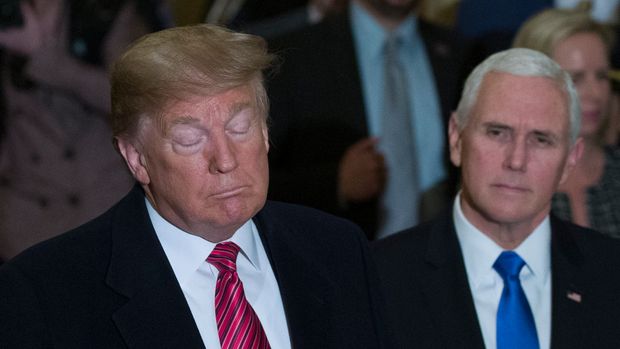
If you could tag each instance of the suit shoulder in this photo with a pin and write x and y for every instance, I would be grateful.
(589, 249)
(404, 241)
(597, 245)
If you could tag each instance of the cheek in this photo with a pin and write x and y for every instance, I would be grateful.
(172, 170)
(479, 154)
(547, 171)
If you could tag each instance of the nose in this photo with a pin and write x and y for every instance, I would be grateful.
(222, 156)
(516, 155)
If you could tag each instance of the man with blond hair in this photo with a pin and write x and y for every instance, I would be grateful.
(194, 256)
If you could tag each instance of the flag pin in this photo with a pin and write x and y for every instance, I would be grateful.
(573, 296)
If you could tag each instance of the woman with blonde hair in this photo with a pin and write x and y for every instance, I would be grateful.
(581, 46)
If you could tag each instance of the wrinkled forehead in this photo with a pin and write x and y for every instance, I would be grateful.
(196, 107)
(509, 98)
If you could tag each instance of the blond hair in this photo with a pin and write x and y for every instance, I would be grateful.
(177, 63)
(545, 30)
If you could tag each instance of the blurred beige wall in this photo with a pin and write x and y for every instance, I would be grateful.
(186, 12)
(440, 12)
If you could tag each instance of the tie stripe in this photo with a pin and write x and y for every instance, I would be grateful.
(237, 324)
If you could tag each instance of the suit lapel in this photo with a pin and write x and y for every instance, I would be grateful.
(304, 291)
(156, 313)
(447, 291)
(566, 263)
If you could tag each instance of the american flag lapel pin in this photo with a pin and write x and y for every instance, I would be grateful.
(573, 296)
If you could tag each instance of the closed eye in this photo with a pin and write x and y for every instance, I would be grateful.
(187, 139)
(187, 142)
(242, 122)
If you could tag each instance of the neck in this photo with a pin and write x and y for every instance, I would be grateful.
(506, 234)
(508, 237)
(208, 232)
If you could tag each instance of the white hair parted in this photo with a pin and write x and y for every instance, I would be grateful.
(520, 62)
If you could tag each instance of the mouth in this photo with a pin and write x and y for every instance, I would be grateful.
(228, 193)
(510, 188)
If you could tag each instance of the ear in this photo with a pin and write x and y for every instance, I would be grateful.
(134, 159)
(454, 139)
(574, 155)
(266, 136)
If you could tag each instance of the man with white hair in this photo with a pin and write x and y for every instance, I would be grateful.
(499, 271)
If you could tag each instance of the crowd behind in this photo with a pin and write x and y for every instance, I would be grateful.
(58, 171)
(329, 145)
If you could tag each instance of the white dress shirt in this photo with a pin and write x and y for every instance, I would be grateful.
(479, 254)
(187, 255)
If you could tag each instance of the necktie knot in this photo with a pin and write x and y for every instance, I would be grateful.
(508, 265)
(392, 45)
(224, 257)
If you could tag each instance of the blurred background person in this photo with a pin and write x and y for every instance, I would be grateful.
(582, 47)
(333, 117)
(267, 18)
(293, 19)
(57, 169)
(491, 25)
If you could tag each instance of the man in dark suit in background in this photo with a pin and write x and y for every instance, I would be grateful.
(193, 257)
(514, 136)
(328, 114)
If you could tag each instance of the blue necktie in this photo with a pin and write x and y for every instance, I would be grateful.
(515, 322)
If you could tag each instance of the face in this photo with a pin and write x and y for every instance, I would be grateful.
(205, 168)
(584, 56)
(513, 151)
(394, 9)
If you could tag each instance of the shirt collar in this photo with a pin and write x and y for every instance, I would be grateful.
(186, 252)
(480, 251)
(370, 35)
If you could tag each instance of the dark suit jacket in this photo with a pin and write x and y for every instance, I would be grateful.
(108, 284)
(317, 111)
(429, 302)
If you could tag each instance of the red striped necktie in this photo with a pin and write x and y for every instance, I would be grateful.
(237, 323)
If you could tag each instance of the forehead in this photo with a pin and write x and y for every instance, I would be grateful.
(581, 49)
(220, 106)
(536, 102)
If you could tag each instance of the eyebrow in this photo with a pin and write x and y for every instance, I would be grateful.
(190, 120)
(546, 133)
(184, 120)
(180, 120)
(493, 124)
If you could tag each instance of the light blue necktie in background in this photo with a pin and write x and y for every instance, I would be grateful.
(515, 323)
(401, 197)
